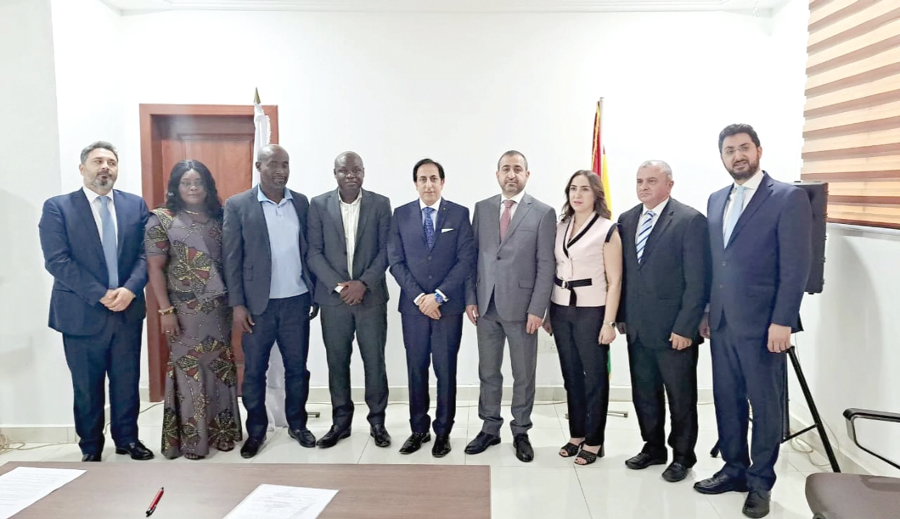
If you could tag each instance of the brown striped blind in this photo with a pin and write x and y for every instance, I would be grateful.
(852, 129)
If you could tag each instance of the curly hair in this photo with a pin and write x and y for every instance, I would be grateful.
(173, 199)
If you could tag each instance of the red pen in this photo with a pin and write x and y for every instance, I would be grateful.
(155, 502)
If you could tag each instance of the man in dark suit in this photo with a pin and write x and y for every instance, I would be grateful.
(93, 244)
(270, 287)
(507, 298)
(665, 249)
(431, 253)
(348, 235)
(759, 231)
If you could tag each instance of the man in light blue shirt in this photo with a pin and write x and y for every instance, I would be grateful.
(264, 244)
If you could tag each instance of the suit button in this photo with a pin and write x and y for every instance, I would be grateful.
(498, 258)
(722, 287)
(429, 277)
(429, 258)
(724, 263)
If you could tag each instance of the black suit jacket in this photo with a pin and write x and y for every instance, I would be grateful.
(668, 291)
(422, 270)
(328, 246)
(73, 254)
(247, 253)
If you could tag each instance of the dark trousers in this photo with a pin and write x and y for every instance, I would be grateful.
(287, 321)
(584, 367)
(656, 373)
(369, 324)
(426, 340)
(744, 369)
(114, 352)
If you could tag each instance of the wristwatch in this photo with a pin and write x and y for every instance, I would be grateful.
(611, 324)
(439, 298)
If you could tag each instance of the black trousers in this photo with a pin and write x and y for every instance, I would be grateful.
(369, 324)
(744, 369)
(428, 341)
(584, 367)
(287, 321)
(657, 372)
(114, 352)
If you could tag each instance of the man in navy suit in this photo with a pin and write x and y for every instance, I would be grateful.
(759, 232)
(431, 253)
(92, 241)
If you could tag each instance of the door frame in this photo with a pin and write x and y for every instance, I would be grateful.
(151, 172)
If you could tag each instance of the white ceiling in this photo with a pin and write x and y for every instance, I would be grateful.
(760, 7)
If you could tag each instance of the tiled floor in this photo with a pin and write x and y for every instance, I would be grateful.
(550, 487)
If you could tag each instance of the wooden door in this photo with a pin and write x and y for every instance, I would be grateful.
(220, 137)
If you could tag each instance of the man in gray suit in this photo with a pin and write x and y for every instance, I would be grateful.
(269, 286)
(515, 234)
(348, 236)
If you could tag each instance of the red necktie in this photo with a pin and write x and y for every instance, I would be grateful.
(505, 218)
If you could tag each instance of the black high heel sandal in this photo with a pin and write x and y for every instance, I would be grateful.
(589, 457)
(570, 449)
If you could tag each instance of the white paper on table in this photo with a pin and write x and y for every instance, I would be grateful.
(283, 502)
(24, 486)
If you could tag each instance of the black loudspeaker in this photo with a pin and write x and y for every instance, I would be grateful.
(818, 199)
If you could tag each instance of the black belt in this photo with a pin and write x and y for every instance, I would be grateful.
(570, 285)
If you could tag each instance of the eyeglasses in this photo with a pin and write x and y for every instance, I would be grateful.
(189, 185)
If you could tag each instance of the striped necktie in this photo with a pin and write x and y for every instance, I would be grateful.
(429, 227)
(642, 236)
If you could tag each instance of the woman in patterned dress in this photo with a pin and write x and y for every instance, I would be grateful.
(183, 241)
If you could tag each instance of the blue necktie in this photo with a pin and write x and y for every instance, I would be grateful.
(642, 236)
(737, 207)
(429, 227)
(108, 237)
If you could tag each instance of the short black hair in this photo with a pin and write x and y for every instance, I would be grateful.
(425, 162)
(736, 129)
(512, 153)
(97, 146)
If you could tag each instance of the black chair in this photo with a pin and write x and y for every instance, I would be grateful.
(854, 496)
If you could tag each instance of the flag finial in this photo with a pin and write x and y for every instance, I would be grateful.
(256, 97)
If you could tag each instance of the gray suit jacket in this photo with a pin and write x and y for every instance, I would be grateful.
(247, 255)
(328, 246)
(519, 271)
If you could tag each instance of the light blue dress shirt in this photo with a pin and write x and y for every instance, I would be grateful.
(284, 243)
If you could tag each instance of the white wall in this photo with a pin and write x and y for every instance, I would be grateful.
(32, 365)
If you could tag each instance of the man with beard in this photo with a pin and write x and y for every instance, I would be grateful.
(759, 232)
(93, 244)
(348, 241)
(270, 287)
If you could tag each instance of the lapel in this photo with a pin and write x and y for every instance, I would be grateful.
(364, 212)
(716, 216)
(334, 210)
(257, 218)
(492, 221)
(121, 223)
(762, 193)
(521, 211)
(294, 202)
(664, 220)
(440, 217)
(86, 217)
(629, 229)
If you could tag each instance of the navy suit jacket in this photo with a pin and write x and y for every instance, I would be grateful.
(759, 276)
(73, 254)
(247, 252)
(422, 270)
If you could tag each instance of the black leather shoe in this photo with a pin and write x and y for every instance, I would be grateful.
(643, 460)
(136, 450)
(251, 447)
(719, 484)
(757, 503)
(414, 442)
(382, 438)
(675, 472)
(441, 446)
(333, 436)
(481, 443)
(524, 451)
(94, 456)
(303, 437)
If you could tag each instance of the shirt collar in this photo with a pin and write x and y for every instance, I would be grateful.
(656, 210)
(354, 203)
(261, 196)
(752, 183)
(91, 196)
(434, 206)
(517, 199)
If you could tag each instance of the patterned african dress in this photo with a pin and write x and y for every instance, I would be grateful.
(201, 406)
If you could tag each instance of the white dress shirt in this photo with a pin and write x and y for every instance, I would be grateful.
(656, 212)
(350, 216)
(512, 210)
(750, 187)
(94, 201)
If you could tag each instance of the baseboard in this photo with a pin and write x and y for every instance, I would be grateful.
(40, 433)
(845, 460)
